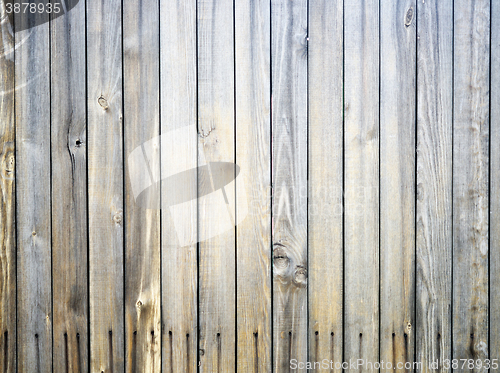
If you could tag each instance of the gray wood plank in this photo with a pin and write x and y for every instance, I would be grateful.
(105, 185)
(178, 113)
(253, 156)
(325, 77)
(361, 175)
(289, 169)
(434, 181)
(69, 192)
(8, 348)
(141, 26)
(470, 179)
(216, 144)
(397, 180)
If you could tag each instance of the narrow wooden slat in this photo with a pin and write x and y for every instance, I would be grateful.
(178, 112)
(142, 226)
(470, 179)
(7, 202)
(325, 77)
(216, 144)
(289, 169)
(32, 108)
(253, 145)
(69, 191)
(397, 181)
(105, 190)
(361, 175)
(434, 182)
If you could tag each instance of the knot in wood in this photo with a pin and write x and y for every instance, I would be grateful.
(409, 17)
(300, 276)
(103, 102)
(280, 258)
(117, 218)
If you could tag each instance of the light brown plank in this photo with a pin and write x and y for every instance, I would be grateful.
(434, 182)
(69, 191)
(471, 80)
(105, 180)
(361, 175)
(397, 181)
(253, 156)
(325, 78)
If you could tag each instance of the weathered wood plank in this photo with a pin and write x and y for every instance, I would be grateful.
(361, 175)
(216, 144)
(397, 180)
(253, 145)
(434, 181)
(69, 191)
(325, 77)
(470, 178)
(8, 348)
(178, 112)
(32, 108)
(141, 25)
(105, 180)
(289, 178)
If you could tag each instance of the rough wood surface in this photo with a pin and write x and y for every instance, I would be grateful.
(470, 179)
(325, 77)
(105, 190)
(434, 181)
(397, 180)
(32, 110)
(69, 192)
(253, 146)
(361, 173)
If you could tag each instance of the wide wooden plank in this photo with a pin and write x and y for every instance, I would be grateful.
(69, 191)
(397, 181)
(289, 178)
(325, 77)
(253, 156)
(178, 113)
(434, 182)
(217, 305)
(7, 201)
(361, 181)
(32, 110)
(141, 25)
(471, 81)
(105, 185)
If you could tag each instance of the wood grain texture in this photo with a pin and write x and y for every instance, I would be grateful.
(7, 201)
(142, 226)
(471, 81)
(434, 182)
(361, 173)
(325, 81)
(178, 111)
(217, 315)
(105, 190)
(32, 110)
(253, 146)
(397, 180)
(69, 192)
(289, 177)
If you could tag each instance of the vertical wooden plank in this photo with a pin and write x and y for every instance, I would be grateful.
(216, 144)
(325, 77)
(178, 112)
(471, 81)
(434, 181)
(253, 156)
(105, 173)
(32, 108)
(361, 175)
(7, 200)
(289, 168)
(142, 226)
(69, 191)
(397, 180)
